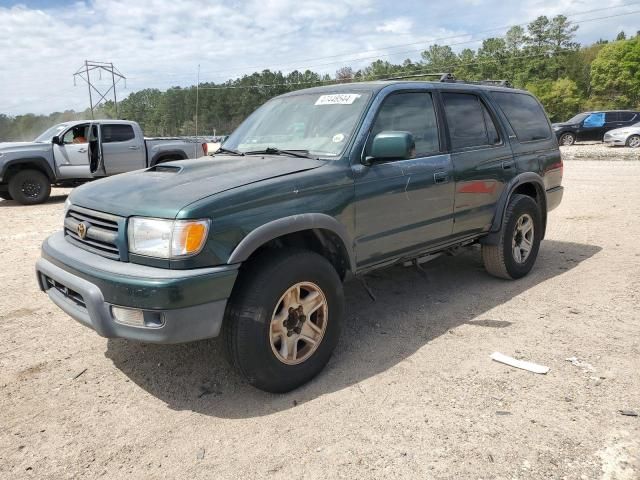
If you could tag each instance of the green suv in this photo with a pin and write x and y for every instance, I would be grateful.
(315, 186)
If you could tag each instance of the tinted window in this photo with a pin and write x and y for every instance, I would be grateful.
(627, 116)
(410, 112)
(470, 124)
(526, 116)
(611, 117)
(117, 133)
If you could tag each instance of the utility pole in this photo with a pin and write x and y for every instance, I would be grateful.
(84, 73)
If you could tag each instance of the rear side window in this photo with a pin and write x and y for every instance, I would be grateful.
(525, 115)
(470, 124)
(117, 133)
(410, 112)
(627, 116)
(611, 117)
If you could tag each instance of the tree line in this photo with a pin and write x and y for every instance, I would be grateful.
(543, 58)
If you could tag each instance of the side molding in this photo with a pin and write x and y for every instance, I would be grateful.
(283, 226)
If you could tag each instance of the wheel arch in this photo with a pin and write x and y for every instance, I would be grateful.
(316, 231)
(527, 183)
(31, 163)
(167, 155)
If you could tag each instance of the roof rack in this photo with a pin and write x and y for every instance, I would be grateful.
(450, 78)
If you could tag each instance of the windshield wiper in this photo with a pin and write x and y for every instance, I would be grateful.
(228, 150)
(276, 151)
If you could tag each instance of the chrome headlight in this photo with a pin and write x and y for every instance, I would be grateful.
(154, 237)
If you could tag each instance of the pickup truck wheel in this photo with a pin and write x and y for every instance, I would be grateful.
(567, 139)
(284, 319)
(516, 252)
(29, 187)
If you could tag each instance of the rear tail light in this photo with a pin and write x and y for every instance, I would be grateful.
(205, 148)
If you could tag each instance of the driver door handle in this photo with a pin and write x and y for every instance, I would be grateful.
(134, 148)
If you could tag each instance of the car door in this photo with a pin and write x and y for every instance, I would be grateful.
(404, 205)
(71, 157)
(122, 151)
(482, 160)
(592, 127)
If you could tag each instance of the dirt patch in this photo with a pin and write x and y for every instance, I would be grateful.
(410, 392)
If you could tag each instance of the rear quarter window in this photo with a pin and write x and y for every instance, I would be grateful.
(525, 115)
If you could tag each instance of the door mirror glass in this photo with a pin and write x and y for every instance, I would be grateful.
(55, 140)
(391, 145)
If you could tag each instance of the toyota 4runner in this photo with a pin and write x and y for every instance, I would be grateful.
(314, 186)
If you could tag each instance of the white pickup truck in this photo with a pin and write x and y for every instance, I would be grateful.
(72, 153)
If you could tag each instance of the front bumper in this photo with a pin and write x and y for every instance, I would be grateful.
(189, 304)
(611, 140)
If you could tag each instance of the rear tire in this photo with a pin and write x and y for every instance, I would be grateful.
(29, 187)
(263, 336)
(633, 141)
(567, 139)
(516, 252)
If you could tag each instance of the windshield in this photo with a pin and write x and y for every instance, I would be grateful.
(50, 133)
(321, 124)
(578, 118)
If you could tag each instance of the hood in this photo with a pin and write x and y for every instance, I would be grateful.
(17, 146)
(164, 190)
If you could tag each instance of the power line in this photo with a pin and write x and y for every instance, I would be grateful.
(435, 40)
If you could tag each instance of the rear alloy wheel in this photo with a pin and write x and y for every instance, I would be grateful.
(29, 187)
(517, 249)
(284, 319)
(567, 139)
(633, 141)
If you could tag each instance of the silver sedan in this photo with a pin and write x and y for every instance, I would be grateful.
(627, 136)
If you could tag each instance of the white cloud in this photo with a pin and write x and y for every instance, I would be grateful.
(159, 43)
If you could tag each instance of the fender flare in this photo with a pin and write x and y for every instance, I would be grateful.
(503, 201)
(166, 153)
(286, 225)
(40, 163)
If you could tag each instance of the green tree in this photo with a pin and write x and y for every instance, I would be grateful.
(561, 98)
(615, 74)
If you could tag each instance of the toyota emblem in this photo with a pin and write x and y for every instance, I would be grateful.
(81, 229)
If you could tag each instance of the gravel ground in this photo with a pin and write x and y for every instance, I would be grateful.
(410, 393)
(599, 151)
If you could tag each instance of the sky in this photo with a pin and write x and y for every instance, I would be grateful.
(159, 44)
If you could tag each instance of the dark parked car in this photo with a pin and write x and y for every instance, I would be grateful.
(593, 125)
(314, 186)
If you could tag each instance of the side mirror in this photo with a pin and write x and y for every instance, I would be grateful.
(391, 145)
(56, 140)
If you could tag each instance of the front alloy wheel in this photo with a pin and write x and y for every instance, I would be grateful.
(633, 141)
(567, 139)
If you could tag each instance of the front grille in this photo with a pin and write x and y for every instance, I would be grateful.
(72, 295)
(100, 231)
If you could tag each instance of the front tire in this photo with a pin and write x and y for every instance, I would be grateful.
(567, 139)
(284, 319)
(633, 141)
(29, 187)
(516, 252)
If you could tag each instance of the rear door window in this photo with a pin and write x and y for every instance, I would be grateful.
(470, 124)
(525, 115)
(411, 112)
(610, 117)
(117, 133)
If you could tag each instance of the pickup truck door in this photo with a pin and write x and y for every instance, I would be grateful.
(71, 157)
(122, 150)
(405, 205)
(482, 160)
(96, 163)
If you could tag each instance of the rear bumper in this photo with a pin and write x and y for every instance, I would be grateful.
(182, 305)
(554, 197)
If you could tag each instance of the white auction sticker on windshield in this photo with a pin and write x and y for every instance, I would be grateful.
(337, 99)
